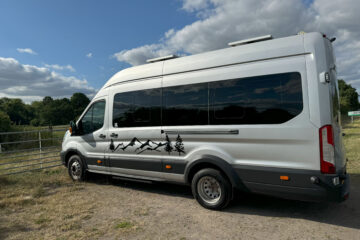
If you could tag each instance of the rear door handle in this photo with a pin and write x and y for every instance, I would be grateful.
(114, 135)
(102, 136)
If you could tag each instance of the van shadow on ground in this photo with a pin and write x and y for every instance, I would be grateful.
(346, 214)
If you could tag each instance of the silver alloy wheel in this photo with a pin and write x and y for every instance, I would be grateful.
(75, 170)
(209, 189)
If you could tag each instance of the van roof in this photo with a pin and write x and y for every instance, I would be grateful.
(264, 50)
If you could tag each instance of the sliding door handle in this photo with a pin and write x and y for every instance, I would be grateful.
(114, 135)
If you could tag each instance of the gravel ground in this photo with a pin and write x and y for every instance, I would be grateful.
(161, 211)
(115, 209)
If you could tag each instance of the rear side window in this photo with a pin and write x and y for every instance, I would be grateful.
(266, 99)
(185, 105)
(137, 109)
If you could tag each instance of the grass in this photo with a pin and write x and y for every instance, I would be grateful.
(123, 225)
(48, 203)
(352, 146)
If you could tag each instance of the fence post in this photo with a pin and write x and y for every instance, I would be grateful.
(0, 148)
(40, 148)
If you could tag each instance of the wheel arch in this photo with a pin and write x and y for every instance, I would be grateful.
(72, 151)
(208, 161)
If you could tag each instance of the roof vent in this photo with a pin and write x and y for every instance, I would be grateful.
(250, 40)
(161, 58)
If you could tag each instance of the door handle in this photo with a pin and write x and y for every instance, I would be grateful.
(114, 135)
(102, 136)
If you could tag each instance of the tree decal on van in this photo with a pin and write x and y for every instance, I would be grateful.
(179, 146)
(150, 145)
(168, 145)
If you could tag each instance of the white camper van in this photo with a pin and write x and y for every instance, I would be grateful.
(261, 116)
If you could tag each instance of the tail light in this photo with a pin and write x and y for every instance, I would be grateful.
(327, 150)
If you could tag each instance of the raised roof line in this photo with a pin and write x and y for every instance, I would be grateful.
(250, 40)
(158, 59)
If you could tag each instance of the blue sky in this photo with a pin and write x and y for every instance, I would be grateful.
(64, 32)
(44, 44)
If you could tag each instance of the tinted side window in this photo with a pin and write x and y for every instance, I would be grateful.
(93, 118)
(137, 109)
(185, 105)
(256, 100)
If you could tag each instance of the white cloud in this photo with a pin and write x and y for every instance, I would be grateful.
(26, 50)
(30, 82)
(195, 5)
(223, 21)
(89, 55)
(60, 68)
(139, 55)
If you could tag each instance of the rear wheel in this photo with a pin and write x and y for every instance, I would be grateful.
(76, 168)
(211, 188)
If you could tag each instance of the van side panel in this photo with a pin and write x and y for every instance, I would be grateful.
(292, 145)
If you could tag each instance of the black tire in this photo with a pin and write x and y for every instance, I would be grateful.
(219, 194)
(76, 168)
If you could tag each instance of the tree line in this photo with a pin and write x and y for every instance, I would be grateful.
(48, 112)
(349, 98)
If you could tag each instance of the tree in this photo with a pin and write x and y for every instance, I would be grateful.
(79, 101)
(179, 146)
(349, 98)
(49, 111)
(5, 122)
(16, 110)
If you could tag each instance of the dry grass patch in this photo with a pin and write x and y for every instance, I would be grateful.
(352, 146)
(48, 203)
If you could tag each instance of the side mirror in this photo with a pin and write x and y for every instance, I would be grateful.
(73, 129)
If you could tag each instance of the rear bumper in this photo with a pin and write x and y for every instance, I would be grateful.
(299, 186)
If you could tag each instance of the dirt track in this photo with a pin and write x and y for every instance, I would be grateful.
(169, 212)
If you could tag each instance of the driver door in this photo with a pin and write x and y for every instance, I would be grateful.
(93, 138)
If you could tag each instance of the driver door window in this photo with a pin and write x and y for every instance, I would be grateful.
(94, 118)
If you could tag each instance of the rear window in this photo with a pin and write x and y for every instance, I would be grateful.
(265, 99)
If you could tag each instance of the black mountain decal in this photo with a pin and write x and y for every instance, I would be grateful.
(150, 145)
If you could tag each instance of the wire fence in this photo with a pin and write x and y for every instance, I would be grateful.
(28, 151)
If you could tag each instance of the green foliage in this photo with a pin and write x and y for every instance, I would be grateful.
(47, 112)
(4, 122)
(79, 101)
(16, 110)
(349, 98)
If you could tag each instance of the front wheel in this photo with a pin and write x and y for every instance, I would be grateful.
(76, 168)
(211, 189)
